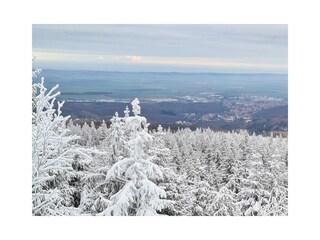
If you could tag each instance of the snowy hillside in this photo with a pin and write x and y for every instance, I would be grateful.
(127, 170)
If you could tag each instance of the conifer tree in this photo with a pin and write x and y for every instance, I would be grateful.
(117, 137)
(139, 194)
(52, 154)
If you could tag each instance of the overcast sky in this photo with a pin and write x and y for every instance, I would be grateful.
(151, 48)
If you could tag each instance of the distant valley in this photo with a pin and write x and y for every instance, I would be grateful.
(256, 102)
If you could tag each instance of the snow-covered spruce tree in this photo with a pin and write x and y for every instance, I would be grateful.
(88, 135)
(161, 155)
(102, 131)
(277, 179)
(117, 138)
(224, 203)
(139, 194)
(53, 151)
(98, 189)
(202, 196)
(251, 195)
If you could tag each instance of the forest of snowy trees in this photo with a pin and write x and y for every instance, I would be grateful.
(126, 169)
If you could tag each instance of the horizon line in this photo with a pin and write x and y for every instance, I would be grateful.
(178, 72)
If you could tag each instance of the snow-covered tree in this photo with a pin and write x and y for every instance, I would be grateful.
(139, 194)
(224, 203)
(53, 152)
(102, 132)
(117, 138)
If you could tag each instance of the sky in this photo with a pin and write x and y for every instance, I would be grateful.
(162, 48)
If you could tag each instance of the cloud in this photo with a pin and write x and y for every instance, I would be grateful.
(210, 64)
(213, 63)
(208, 46)
(134, 58)
(126, 58)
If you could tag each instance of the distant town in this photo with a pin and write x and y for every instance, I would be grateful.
(242, 108)
(246, 111)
